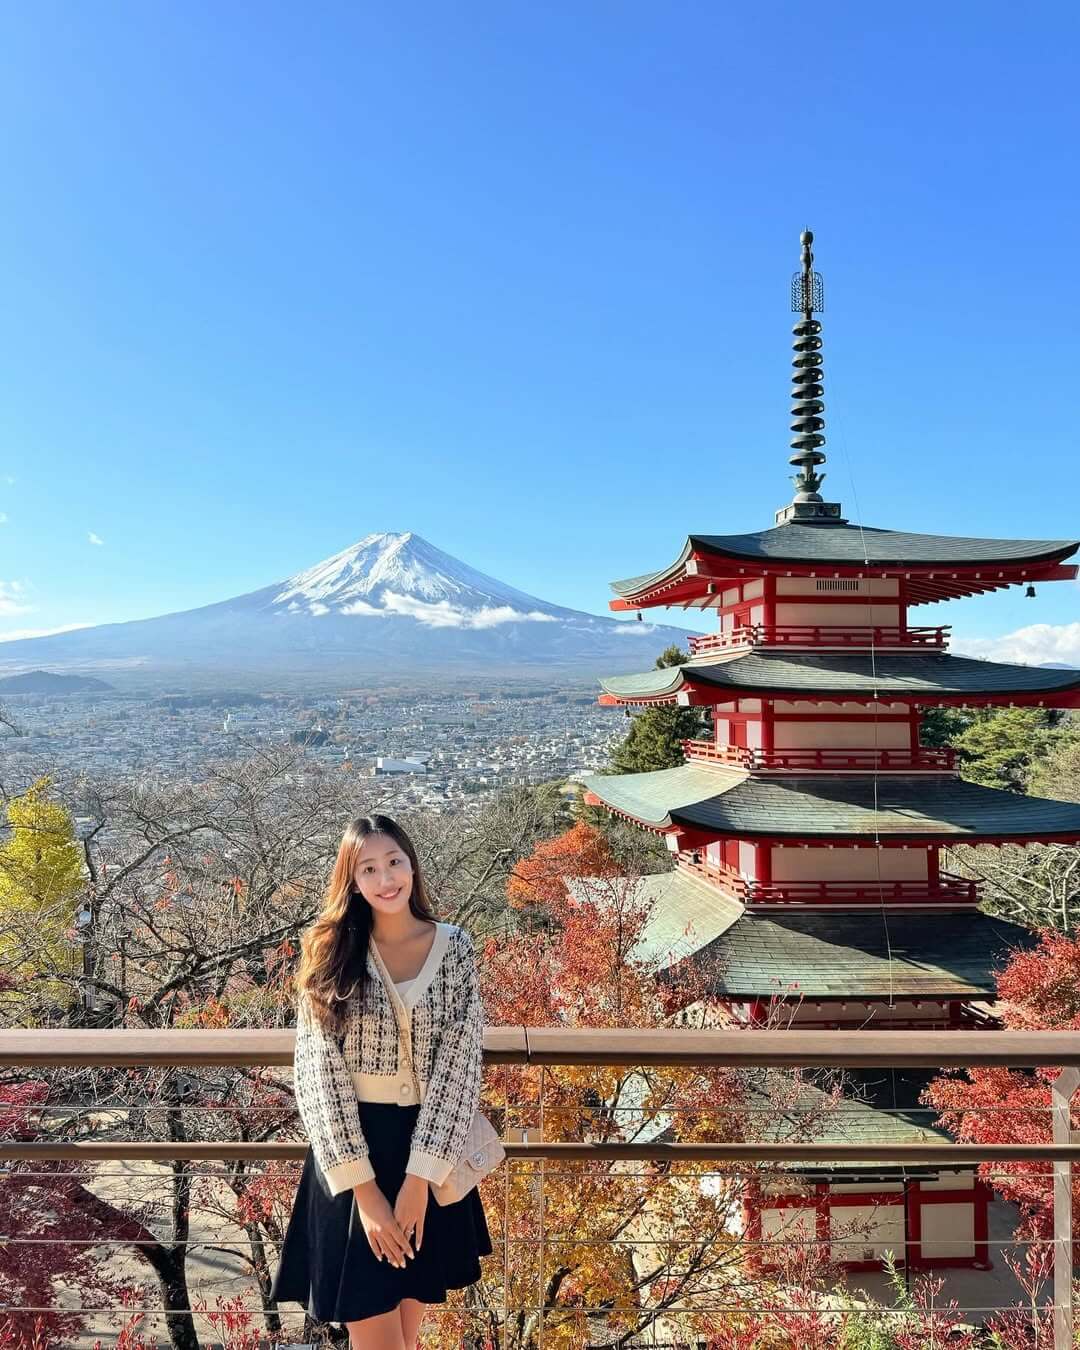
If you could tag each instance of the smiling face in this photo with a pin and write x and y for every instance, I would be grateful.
(383, 874)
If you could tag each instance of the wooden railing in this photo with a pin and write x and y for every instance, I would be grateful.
(819, 635)
(33, 1052)
(829, 759)
(948, 889)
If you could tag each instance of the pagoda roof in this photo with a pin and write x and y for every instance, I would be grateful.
(877, 1106)
(842, 544)
(685, 912)
(714, 801)
(860, 954)
(890, 673)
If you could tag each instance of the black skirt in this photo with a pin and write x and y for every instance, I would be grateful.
(327, 1264)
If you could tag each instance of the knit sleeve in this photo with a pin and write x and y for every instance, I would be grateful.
(326, 1098)
(453, 1094)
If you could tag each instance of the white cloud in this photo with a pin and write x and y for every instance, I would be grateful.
(95, 539)
(362, 607)
(317, 607)
(11, 599)
(1034, 645)
(634, 629)
(3, 518)
(15, 634)
(442, 614)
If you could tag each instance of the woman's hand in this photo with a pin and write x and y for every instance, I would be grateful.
(383, 1231)
(411, 1206)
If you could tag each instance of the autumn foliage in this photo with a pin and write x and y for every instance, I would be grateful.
(1038, 990)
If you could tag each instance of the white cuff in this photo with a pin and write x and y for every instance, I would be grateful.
(427, 1165)
(343, 1176)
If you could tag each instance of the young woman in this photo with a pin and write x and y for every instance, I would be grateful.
(365, 1244)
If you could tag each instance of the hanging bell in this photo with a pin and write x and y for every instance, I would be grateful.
(1030, 593)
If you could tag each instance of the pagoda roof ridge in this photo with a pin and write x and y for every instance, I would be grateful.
(891, 672)
(715, 801)
(841, 543)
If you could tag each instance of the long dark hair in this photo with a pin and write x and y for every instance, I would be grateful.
(334, 949)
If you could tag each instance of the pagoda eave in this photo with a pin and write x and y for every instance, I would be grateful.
(707, 803)
(698, 584)
(937, 566)
(814, 675)
(694, 695)
(814, 954)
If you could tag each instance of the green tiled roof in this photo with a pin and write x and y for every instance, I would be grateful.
(888, 673)
(852, 545)
(728, 802)
(687, 913)
(878, 1106)
(860, 953)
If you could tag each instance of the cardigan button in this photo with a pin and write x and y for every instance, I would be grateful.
(404, 1089)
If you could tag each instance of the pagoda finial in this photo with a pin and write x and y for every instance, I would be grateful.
(807, 295)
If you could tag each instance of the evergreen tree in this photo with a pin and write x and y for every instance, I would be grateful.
(1000, 745)
(655, 736)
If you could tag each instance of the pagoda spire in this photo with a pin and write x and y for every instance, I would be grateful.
(808, 424)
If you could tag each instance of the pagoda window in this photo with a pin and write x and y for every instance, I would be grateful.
(868, 586)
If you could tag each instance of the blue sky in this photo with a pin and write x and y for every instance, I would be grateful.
(516, 277)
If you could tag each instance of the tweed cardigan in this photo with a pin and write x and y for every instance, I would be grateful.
(331, 1072)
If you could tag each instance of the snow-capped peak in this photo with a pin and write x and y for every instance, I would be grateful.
(403, 574)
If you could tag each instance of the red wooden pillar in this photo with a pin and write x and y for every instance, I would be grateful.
(982, 1225)
(768, 598)
(913, 1222)
(763, 862)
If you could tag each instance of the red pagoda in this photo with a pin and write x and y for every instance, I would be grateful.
(807, 827)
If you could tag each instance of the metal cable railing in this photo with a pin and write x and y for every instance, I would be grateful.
(748, 1276)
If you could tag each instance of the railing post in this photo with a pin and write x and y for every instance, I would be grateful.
(1062, 1092)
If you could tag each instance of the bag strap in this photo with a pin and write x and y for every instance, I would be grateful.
(400, 1015)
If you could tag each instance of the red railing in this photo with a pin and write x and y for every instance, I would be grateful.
(948, 889)
(818, 635)
(924, 758)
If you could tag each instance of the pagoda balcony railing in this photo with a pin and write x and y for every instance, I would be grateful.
(81, 1135)
(818, 635)
(947, 889)
(829, 759)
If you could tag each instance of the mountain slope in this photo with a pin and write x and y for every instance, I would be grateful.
(388, 606)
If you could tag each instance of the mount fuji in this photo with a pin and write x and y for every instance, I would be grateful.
(389, 606)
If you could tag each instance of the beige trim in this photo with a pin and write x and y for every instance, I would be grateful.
(387, 1087)
(343, 1176)
(427, 971)
(428, 1166)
